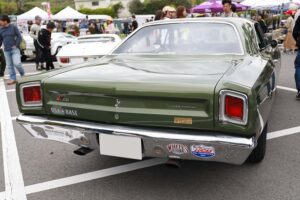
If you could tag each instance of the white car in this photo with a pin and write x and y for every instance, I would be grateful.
(58, 40)
(86, 48)
(29, 52)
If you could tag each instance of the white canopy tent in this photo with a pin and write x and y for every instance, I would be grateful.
(266, 4)
(100, 17)
(68, 13)
(30, 15)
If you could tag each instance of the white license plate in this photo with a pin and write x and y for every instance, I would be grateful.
(120, 146)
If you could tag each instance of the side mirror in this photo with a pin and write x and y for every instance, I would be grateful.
(274, 44)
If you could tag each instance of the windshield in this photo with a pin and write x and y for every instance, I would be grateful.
(184, 38)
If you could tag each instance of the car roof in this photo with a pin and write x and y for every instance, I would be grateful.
(98, 35)
(232, 20)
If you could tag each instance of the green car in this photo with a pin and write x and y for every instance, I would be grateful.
(195, 89)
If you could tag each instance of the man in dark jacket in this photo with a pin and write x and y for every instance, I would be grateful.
(44, 40)
(296, 35)
(11, 38)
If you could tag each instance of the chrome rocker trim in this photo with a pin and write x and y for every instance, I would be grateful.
(228, 149)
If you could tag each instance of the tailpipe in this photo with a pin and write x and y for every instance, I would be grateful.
(173, 163)
(82, 151)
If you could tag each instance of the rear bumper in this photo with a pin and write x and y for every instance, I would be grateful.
(179, 144)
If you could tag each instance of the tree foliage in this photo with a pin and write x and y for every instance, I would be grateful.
(8, 8)
(136, 7)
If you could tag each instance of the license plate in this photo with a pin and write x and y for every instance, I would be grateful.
(120, 146)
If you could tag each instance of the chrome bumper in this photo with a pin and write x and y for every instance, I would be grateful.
(179, 144)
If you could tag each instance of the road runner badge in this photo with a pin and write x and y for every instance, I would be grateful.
(203, 151)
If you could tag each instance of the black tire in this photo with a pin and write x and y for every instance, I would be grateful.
(259, 152)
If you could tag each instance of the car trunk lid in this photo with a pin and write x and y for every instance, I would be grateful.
(164, 93)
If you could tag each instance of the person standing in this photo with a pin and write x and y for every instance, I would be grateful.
(34, 31)
(44, 40)
(289, 42)
(134, 24)
(11, 38)
(296, 35)
(261, 21)
(227, 9)
(181, 12)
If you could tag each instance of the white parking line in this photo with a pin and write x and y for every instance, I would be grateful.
(286, 88)
(28, 73)
(282, 133)
(40, 187)
(13, 118)
(12, 90)
(14, 183)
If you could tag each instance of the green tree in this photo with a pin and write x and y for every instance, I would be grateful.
(117, 7)
(8, 8)
(136, 7)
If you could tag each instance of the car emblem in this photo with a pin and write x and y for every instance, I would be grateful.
(117, 103)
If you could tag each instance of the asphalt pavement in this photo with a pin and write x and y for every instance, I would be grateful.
(51, 170)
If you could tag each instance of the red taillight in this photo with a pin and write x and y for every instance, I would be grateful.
(234, 107)
(32, 95)
(65, 60)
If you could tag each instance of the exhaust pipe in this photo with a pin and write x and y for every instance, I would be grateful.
(82, 151)
(173, 163)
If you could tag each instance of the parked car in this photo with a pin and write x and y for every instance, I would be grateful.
(197, 89)
(29, 52)
(58, 40)
(86, 48)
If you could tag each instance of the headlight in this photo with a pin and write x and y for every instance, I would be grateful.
(233, 107)
(31, 94)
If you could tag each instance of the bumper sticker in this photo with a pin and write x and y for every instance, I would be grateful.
(177, 149)
(202, 151)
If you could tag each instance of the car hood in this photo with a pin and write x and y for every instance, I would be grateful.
(140, 91)
(86, 49)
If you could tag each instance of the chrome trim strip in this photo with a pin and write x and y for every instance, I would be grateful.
(222, 116)
(186, 135)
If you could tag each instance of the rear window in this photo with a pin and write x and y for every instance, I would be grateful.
(208, 38)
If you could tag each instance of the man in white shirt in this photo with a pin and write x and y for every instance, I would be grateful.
(227, 9)
(34, 31)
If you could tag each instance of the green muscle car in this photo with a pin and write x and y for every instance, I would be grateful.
(196, 89)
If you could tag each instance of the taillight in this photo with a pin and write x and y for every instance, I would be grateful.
(233, 107)
(65, 60)
(31, 94)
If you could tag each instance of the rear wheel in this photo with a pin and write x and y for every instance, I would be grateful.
(259, 152)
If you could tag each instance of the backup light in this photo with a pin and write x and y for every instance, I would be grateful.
(31, 94)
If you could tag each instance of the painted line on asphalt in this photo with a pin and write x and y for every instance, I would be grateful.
(14, 118)
(40, 187)
(12, 90)
(282, 133)
(49, 185)
(14, 183)
(28, 73)
(287, 88)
